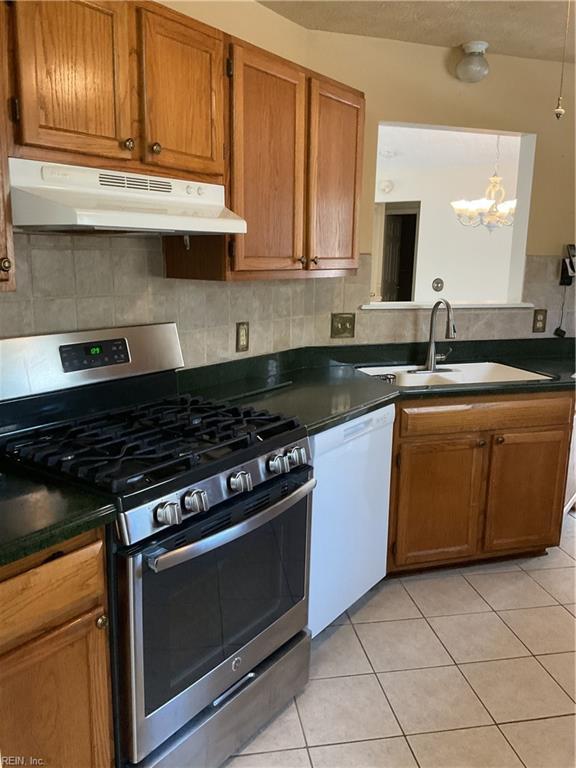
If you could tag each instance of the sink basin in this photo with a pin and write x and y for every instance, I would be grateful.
(458, 373)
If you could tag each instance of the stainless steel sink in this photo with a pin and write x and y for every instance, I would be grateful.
(457, 373)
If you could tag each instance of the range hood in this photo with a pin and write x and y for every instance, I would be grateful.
(50, 196)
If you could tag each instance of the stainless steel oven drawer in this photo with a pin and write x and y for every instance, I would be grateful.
(219, 731)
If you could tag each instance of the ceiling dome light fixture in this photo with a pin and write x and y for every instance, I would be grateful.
(490, 211)
(473, 66)
(560, 111)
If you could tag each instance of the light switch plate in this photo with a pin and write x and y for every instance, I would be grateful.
(539, 321)
(342, 325)
(242, 336)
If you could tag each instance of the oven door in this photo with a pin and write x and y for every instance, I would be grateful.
(205, 608)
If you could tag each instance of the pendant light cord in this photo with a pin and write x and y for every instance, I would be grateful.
(565, 46)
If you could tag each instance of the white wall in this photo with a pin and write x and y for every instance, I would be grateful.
(436, 167)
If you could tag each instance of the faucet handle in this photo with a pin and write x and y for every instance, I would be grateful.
(442, 356)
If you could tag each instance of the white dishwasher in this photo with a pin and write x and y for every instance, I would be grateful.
(349, 540)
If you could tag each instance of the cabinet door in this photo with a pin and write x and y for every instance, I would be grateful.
(55, 701)
(439, 499)
(72, 60)
(334, 175)
(526, 489)
(182, 94)
(268, 148)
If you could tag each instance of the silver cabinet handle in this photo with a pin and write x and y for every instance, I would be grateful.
(162, 559)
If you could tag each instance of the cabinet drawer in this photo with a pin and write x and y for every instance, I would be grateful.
(46, 596)
(452, 417)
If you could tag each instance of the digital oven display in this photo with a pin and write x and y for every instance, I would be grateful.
(95, 354)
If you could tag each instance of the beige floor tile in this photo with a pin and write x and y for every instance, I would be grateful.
(560, 583)
(571, 608)
(544, 743)
(395, 645)
(385, 602)
(510, 590)
(470, 748)
(380, 753)
(449, 595)
(569, 523)
(477, 637)
(293, 758)
(437, 699)
(568, 543)
(562, 667)
(342, 619)
(337, 652)
(554, 558)
(284, 732)
(517, 689)
(543, 630)
(345, 709)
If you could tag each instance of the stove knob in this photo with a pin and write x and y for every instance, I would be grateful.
(278, 464)
(196, 501)
(168, 513)
(240, 482)
(297, 456)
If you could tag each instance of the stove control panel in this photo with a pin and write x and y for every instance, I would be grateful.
(93, 354)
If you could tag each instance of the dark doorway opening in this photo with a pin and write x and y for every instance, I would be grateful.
(399, 257)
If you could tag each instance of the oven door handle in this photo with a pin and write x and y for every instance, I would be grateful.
(163, 559)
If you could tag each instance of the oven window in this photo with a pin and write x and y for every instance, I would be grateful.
(199, 613)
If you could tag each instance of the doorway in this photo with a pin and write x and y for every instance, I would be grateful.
(399, 250)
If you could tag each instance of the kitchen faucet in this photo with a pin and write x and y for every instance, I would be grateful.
(431, 359)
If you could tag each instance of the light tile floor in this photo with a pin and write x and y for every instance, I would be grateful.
(471, 667)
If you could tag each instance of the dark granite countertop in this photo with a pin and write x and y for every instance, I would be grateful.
(35, 515)
(319, 385)
(319, 397)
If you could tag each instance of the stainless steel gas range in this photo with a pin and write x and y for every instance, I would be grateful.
(212, 540)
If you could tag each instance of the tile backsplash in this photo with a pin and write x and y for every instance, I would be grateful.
(93, 281)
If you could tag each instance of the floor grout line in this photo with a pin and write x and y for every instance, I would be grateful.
(396, 718)
(417, 733)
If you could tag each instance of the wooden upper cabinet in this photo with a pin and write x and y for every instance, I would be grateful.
(526, 489)
(439, 499)
(268, 159)
(55, 702)
(72, 61)
(334, 175)
(182, 94)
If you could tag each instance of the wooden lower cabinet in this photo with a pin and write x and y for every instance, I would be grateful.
(439, 499)
(54, 701)
(526, 489)
(464, 489)
(55, 697)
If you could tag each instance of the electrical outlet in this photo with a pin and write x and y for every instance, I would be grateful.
(342, 325)
(539, 321)
(242, 336)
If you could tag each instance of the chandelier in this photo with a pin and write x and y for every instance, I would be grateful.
(491, 211)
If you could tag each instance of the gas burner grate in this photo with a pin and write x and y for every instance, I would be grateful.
(134, 448)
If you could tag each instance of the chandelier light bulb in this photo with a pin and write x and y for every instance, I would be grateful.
(473, 66)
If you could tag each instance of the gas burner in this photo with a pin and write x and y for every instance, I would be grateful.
(132, 449)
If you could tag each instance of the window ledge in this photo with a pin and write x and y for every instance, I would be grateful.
(429, 305)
